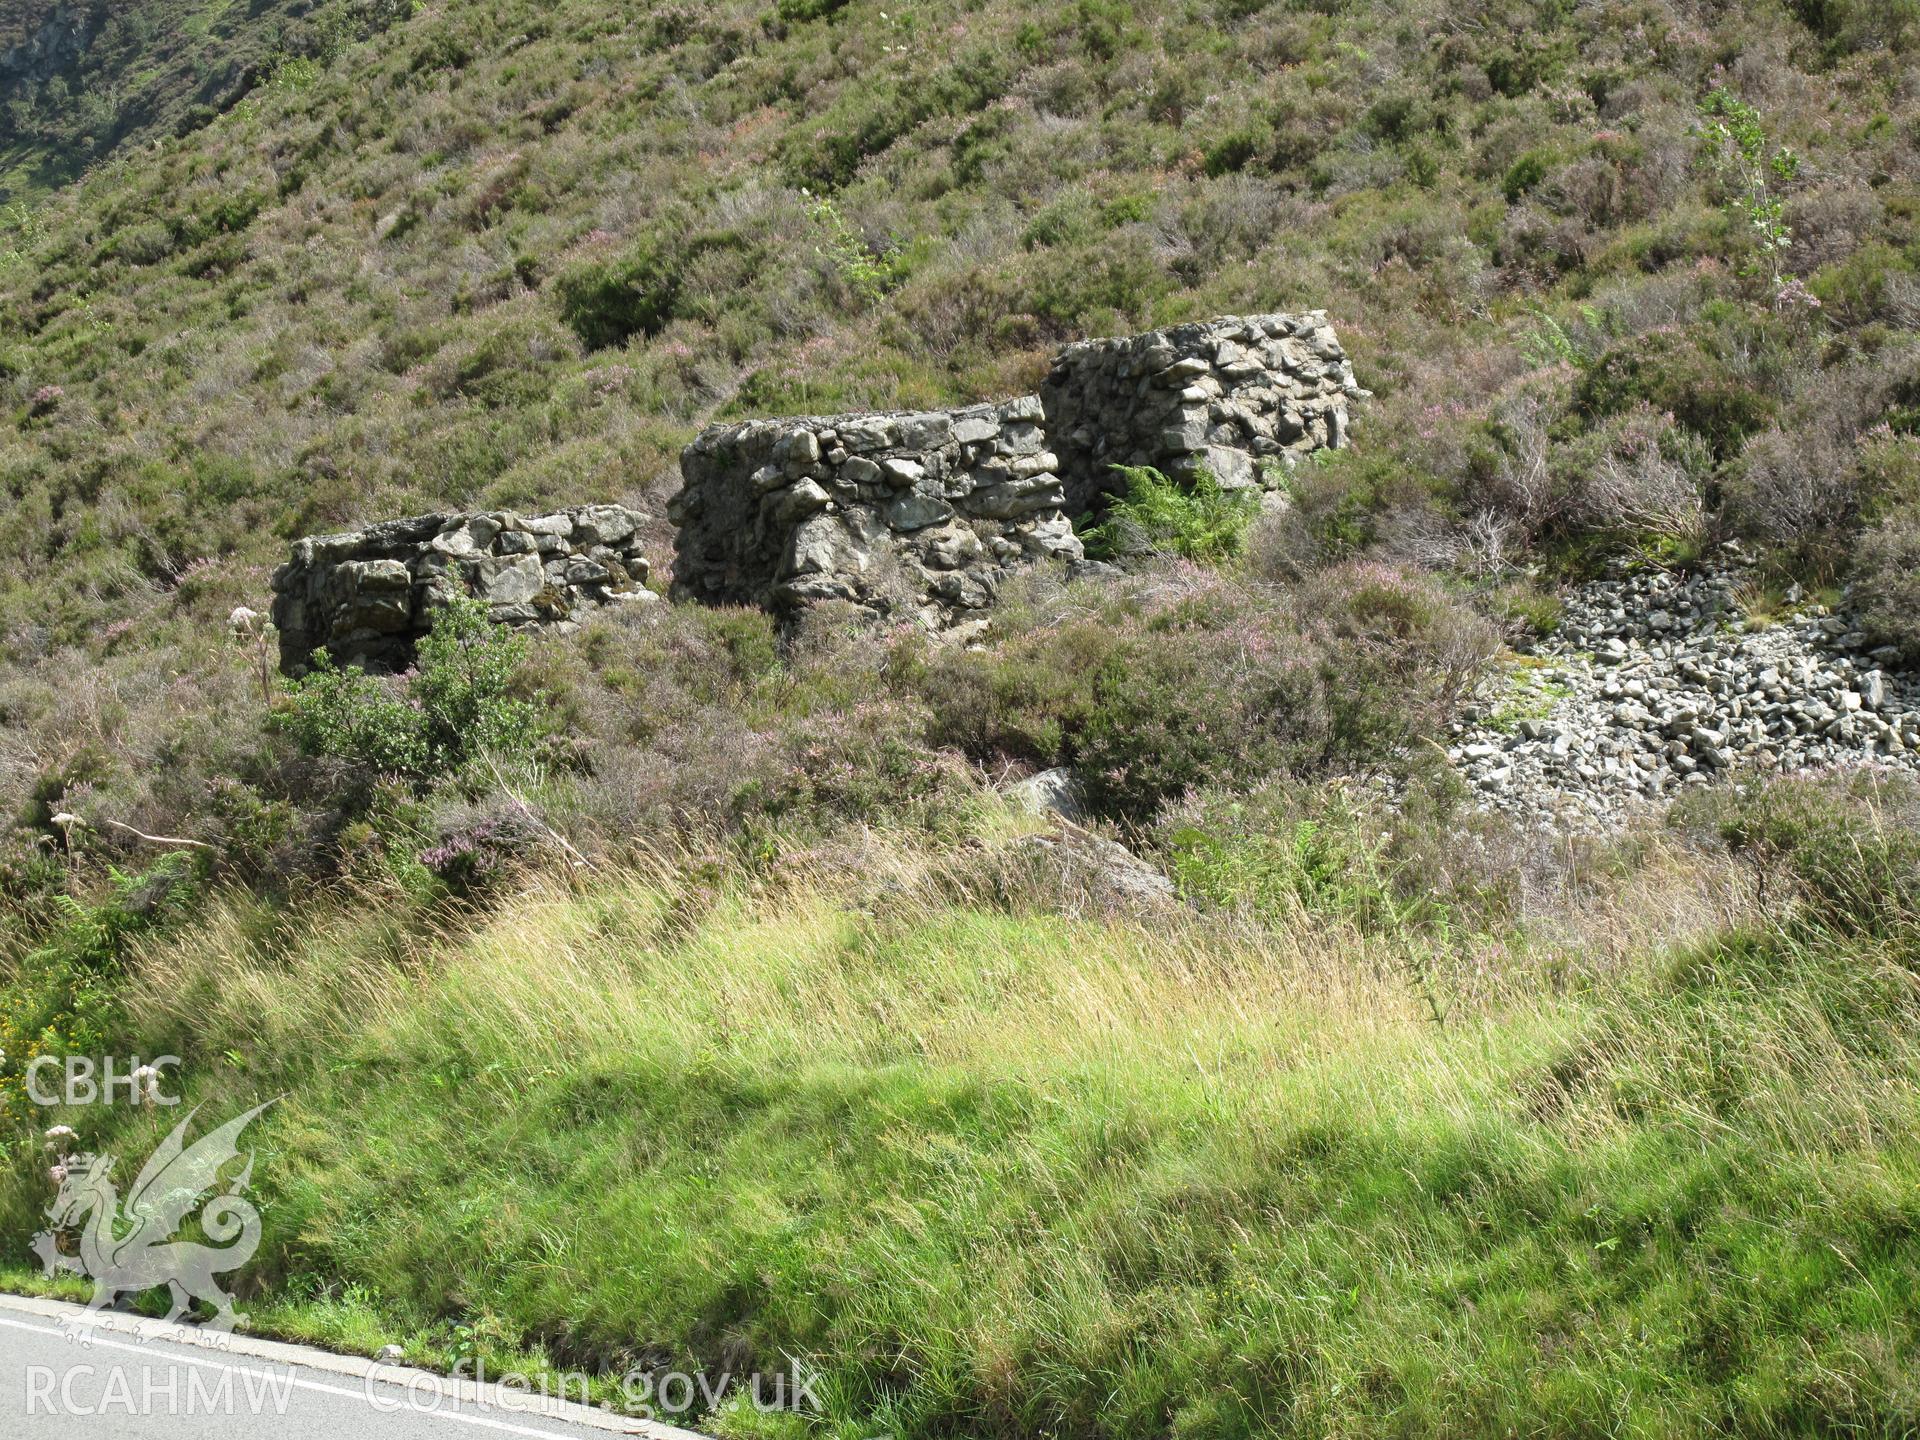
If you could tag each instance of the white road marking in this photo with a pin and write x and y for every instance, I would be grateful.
(408, 1406)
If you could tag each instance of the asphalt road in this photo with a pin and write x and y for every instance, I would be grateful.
(67, 1374)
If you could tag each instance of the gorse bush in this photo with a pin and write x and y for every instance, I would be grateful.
(607, 302)
(457, 705)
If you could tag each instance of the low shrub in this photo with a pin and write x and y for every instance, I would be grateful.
(1886, 581)
(1184, 679)
(1200, 521)
(1177, 678)
(1281, 867)
(1192, 702)
(62, 996)
(477, 850)
(1682, 374)
(1849, 842)
(1634, 476)
(1398, 653)
(1024, 701)
(1339, 502)
(456, 705)
(607, 302)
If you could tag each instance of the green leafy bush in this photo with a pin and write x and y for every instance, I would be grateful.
(1200, 522)
(1525, 174)
(456, 705)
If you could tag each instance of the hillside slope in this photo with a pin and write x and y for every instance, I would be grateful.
(79, 78)
(515, 252)
(686, 993)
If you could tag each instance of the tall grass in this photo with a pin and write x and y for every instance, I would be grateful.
(999, 1172)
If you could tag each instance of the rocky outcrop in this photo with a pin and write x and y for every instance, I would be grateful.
(367, 595)
(921, 515)
(916, 515)
(49, 48)
(1654, 682)
(1243, 397)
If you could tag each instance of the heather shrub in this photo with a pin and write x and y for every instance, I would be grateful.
(1022, 700)
(260, 835)
(1636, 477)
(1848, 842)
(1399, 655)
(476, 849)
(1798, 490)
(1685, 374)
(1215, 687)
(1886, 581)
(862, 764)
(1641, 477)
(704, 721)
(631, 678)
(1510, 473)
(1844, 27)
(1889, 473)
(1336, 504)
(1169, 717)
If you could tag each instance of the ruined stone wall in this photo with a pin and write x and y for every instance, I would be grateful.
(922, 515)
(915, 515)
(368, 595)
(1229, 394)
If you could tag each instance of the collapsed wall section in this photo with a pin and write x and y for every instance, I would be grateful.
(1243, 396)
(915, 515)
(366, 596)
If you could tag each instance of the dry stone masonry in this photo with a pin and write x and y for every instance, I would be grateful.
(922, 515)
(367, 595)
(915, 515)
(1231, 395)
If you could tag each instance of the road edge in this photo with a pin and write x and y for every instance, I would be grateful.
(424, 1383)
